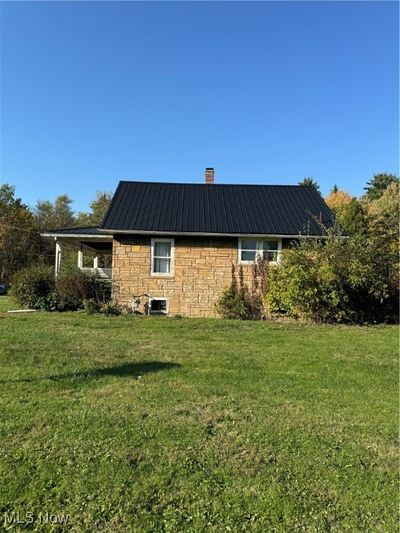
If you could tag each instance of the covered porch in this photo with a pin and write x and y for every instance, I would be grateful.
(92, 247)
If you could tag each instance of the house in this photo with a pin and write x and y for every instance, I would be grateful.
(173, 245)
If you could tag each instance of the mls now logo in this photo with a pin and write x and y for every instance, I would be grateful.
(16, 517)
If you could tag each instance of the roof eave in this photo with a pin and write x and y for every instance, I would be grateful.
(210, 234)
(86, 236)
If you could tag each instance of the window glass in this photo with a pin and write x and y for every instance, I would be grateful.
(249, 245)
(162, 249)
(162, 266)
(270, 255)
(250, 249)
(270, 245)
(162, 257)
(248, 256)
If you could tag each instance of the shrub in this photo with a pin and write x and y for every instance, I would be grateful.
(91, 306)
(241, 302)
(253, 297)
(110, 309)
(231, 304)
(74, 286)
(34, 288)
(336, 280)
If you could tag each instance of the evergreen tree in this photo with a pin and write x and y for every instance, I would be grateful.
(378, 184)
(309, 182)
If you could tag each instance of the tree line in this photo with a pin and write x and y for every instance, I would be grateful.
(20, 226)
(374, 215)
(348, 280)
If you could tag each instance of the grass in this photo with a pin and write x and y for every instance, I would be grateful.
(152, 424)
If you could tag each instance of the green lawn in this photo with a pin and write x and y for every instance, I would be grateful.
(151, 424)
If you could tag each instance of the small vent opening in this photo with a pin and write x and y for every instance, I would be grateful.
(158, 306)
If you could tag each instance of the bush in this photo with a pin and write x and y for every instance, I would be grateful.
(231, 304)
(110, 309)
(240, 302)
(34, 288)
(74, 286)
(91, 306)
(336, 280)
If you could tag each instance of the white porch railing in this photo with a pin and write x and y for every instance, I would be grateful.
(102, 272)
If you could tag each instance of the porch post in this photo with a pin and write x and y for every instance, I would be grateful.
(80, 259)
(58, 258)
(96, 261)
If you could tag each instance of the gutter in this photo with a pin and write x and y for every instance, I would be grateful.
(76, 236)
(109, 234)
(206, 234)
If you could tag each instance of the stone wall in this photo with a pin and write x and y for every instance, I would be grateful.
(202, 270)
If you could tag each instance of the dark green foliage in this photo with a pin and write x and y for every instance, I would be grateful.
(110, 308)
(353, 218)
(18, 240)
(53, 215)
(378, 184)
(337, 280)
(241, 302)
(98, 208)
(91, 306)
(309, 182)
(74, 286)
(231, 304)
(34, 288)
(253, 296)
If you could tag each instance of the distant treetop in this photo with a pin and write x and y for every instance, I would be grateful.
(309, 181)
(377, 185)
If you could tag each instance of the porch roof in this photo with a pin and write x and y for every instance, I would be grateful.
(87, 237)
(77, 233)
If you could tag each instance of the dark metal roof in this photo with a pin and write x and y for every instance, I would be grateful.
(217, 209)
(75, 231)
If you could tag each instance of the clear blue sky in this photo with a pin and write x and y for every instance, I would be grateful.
(265, 92)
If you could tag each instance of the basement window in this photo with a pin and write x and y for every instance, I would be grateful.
(162, 257)
(252, 249)
(158, 306)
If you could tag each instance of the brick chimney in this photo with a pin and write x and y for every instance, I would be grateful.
(209, 176)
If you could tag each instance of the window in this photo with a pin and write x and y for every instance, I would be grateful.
(158, 306)
(250, 249)
(162, 257)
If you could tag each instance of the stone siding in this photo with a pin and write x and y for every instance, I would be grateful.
(202, 270)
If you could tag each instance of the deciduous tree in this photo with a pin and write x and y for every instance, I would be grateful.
(98, 208)
(18, 240)
(54, 215)
(383, 217)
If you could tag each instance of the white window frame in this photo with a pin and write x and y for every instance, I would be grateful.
(259, 249)
(162, 274)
